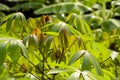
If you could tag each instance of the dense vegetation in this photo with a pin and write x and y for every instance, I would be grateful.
(60, 40)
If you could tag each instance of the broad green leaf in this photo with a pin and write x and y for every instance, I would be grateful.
(74, 76)
(62, 8)
(76, 56)
(3, 51)
(14, 50)
(86, 65)
(96, 65)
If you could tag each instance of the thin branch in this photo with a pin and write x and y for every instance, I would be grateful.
(36, 67)
(29, 72)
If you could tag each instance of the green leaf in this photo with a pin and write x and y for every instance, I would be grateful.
(3, 51)
(9, 23)
(87, 75)
(55, 71)
(74, 76)
(24, 50)
(86, 65)
(14, 50)
(110, 25)
(62, 8)
(47, 43)
(4, 7)
(27, 6)
(64, 37)
(96, 65)
(76, 56)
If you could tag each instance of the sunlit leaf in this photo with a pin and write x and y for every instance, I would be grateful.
(87, 75)
(74, 76)
(54, 71)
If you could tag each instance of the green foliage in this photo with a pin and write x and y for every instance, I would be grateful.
(69, 44)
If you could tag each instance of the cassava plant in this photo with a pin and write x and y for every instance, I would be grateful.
(51, 48)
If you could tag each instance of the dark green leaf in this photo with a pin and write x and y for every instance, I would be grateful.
(9, 23)
(86, 65)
